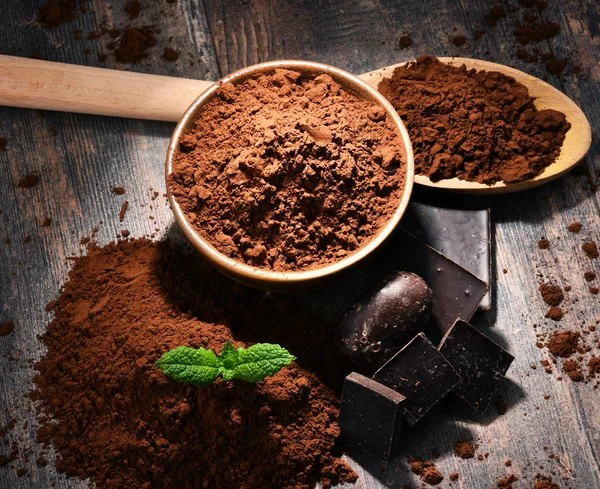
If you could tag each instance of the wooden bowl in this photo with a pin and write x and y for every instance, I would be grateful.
(288, 280)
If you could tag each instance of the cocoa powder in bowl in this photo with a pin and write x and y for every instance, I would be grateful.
(288, 170)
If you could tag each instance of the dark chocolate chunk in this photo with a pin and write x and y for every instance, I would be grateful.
(421, 374)
(463, 235)
(384, 320)
(370, 416)
(480, 362)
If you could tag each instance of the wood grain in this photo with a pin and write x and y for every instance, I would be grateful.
(37, 84)
(88, 155)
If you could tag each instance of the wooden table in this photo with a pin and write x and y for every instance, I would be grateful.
(80, 158)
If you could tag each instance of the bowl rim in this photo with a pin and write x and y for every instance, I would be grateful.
(252, 274)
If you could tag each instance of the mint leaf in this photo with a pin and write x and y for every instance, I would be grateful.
(202, 366)
(193, 366)
(259, 361)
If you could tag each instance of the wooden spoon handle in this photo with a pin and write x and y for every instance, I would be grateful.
(36, 84)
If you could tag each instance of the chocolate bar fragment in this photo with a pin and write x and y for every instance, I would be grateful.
(480, 362)
(421, 374)
(456, 292)
(463, 235)
(370, 416)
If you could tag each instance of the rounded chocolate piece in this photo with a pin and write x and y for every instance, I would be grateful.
(382, 322)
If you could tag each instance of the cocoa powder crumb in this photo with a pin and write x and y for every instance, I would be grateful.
(543, 244)
(459, 40)
(3, 144)
(28, 181)
(464, 449)
(594, 290)
(123, 211)
(554, 313)
(170, 54)
(432, 97)
(573, 370)
(7, 328)
(133, 44)
(589, 276)
(56, 12)
(118, 190)
(47, 222)
(575, 227)
(405, 41)
(271, 177)
(454, 476)
(528, 33)
(552, 294)
(507, 482)
(594, 365)
(133, 8)
(545, 483)
(563, 343)
(590, 249)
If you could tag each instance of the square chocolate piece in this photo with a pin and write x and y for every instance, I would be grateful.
(370, 416)
(463, 235)
(480, 362)
(421, 374)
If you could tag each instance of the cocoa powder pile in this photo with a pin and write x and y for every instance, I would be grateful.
(115, 418)
(288, 171)
(478, 126)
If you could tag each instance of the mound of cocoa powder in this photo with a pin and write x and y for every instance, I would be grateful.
(115, 418)
(478, 126)
(289, 171)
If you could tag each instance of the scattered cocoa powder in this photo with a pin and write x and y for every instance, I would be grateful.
(594, 365)
(589, 276)
(115, 418)
(454, 476)
(573, 370)
(405, 41)
(2, 144)
(555, 313)
(432, 476)
(47, 222)
(133, 8)
(594, 290)
(56, 12)
(170, 54)
(6, 328)
(496, 131)
(552, 294)
(528, 33)
(543, 244)
(274, 175)
(545, 483)
(123, 211)
(575, 227)
(464, 449)
(590, 249)
(459, 40)
(563, 343)
(507, 482)
(133, 43)
(494, 15)
(28, 181)
(118, 190)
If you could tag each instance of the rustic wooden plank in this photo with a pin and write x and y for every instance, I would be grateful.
(362, 35)
(78, 167)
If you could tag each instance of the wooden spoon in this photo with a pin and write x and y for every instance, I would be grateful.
(36, 84)
(576, 144)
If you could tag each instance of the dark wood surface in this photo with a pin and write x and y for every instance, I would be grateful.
(89, 155)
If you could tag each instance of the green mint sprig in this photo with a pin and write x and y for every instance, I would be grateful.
(201, 366)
